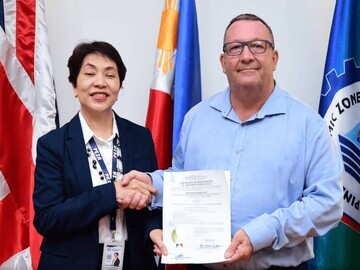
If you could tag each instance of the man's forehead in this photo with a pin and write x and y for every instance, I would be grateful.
(248, 29)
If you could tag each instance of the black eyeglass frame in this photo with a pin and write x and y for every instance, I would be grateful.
(246, 43)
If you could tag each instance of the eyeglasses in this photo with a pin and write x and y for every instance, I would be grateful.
(255, 46)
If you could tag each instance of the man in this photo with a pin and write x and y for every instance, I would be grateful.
(116, 261)
(285, 172)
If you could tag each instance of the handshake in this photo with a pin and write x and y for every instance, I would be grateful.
(135, 190)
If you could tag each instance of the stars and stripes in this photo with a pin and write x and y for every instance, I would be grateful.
(27, 111)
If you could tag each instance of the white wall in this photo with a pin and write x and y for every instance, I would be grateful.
(301, 29)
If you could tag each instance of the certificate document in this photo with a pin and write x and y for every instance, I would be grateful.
(196, 216)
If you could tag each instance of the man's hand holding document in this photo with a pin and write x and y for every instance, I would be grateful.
(196, 216)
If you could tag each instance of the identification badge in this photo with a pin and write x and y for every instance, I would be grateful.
(113, 255)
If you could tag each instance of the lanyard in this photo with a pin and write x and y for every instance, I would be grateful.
(105, 171)
(100, 160)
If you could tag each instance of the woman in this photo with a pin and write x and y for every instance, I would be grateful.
(79, 199)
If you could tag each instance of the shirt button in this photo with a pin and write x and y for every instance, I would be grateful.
(237, 152)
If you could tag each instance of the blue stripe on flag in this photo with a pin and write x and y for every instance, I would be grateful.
(350, 170)
(351, 167)
(350, 157)
(2, 19)
(187, 87)
(345, 142)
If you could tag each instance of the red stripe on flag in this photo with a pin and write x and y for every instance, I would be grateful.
(350, 222)
(13, 229)
(25, 34)
(16, 162)
(160, 122)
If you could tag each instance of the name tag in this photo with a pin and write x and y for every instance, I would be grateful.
(113, 255)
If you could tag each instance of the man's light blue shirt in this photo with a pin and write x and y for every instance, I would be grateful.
(285, 173)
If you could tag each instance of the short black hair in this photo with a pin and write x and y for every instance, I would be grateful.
(83, 49)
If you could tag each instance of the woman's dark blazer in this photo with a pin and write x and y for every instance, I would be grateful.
(68, 207)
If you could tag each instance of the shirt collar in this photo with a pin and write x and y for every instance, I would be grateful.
(221, 102)
(88, 133)
(275, 104)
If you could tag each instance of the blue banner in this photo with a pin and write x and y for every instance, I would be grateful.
(187, 87)
(340, 107)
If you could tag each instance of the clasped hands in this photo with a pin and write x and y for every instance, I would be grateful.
(134, 191)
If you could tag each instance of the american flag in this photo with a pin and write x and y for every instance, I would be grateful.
(27, 111)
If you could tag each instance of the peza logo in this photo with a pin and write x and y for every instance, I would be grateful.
(343, 120)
